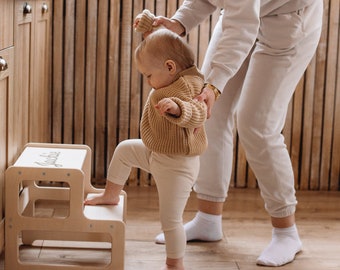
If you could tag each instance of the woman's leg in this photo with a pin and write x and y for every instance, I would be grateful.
(216, 165)
(285, 46)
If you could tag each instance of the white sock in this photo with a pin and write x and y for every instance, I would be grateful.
(282, 249)
(203, 227)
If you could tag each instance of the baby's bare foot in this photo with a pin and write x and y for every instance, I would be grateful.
(101, 199)
(168, 267)
(173, 264)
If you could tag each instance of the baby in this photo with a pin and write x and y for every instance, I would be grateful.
(172, 136)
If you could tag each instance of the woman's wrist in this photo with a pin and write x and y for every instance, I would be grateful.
(217, 92)
(179, 29)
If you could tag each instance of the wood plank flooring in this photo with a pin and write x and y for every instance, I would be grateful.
(246, 226)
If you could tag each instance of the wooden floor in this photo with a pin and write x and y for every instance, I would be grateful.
(246, 232)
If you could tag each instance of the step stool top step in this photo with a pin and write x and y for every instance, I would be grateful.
(43, 157)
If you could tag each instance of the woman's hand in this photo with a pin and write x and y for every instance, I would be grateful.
(172, 25)
(208, 97)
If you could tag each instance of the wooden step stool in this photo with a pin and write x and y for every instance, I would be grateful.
(69, 165)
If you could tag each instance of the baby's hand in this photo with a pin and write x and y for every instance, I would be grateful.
(137, 19)
(143, 22)
(166, 105)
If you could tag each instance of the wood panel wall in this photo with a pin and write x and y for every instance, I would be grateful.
(98, 94)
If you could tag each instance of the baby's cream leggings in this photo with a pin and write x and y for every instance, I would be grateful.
(174, 176)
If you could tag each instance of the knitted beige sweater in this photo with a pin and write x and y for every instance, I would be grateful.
(175, 135)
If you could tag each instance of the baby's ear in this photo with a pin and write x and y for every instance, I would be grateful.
(171, 66)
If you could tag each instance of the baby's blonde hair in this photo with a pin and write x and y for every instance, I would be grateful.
(164, 45)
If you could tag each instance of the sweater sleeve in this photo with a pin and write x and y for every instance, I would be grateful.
(240, 25)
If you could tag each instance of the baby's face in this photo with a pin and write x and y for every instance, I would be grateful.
(158, 74)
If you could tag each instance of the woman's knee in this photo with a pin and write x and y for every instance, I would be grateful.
(248, 127)
(258, 132)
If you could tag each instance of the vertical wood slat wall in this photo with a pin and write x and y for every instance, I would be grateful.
(98, 95)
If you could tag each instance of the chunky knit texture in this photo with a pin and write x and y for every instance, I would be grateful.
(145, 21)
(175, 135)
